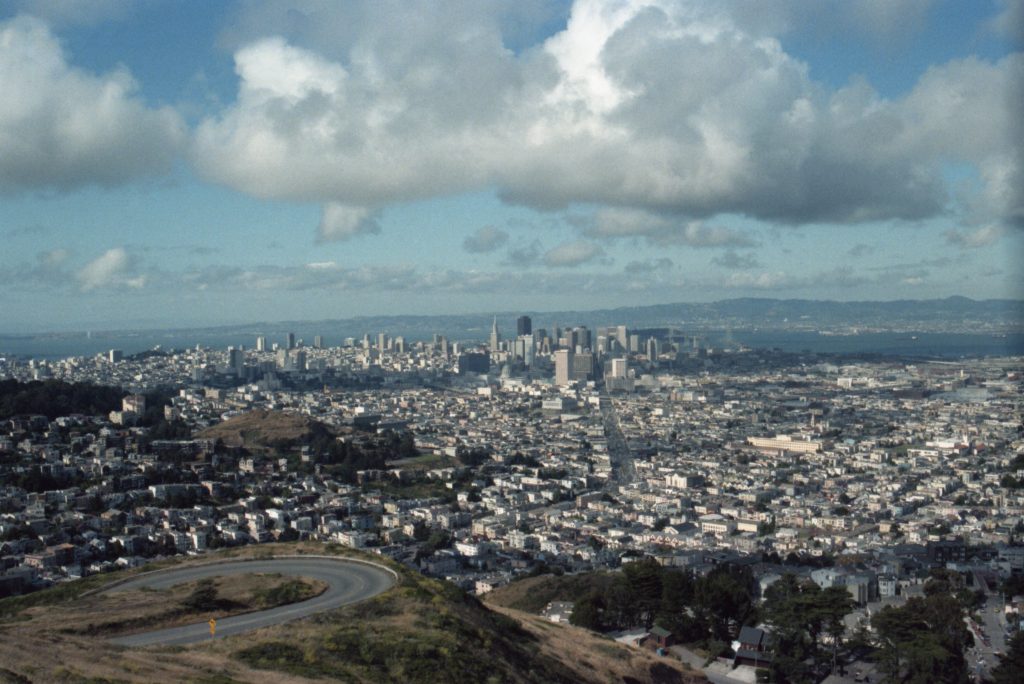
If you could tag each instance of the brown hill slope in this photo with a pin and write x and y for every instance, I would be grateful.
(262, 428)
(422, 630)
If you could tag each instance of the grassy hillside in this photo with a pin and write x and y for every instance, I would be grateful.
(532, 594)
(262, 428)
(422, 630)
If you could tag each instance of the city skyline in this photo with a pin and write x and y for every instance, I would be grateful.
(166, 165)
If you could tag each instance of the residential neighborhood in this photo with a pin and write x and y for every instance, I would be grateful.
(860, 473)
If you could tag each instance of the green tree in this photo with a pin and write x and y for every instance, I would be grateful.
(587, 612)
(643, 578)
(923, 641)
(724, 600)
(834, 604)
(802, 614)
(621, 610)
(1011, 665)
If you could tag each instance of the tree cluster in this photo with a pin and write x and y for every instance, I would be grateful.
(1011, 665)
(923, 641)
(344, 459)
(807, 628)
(1008, 480)
(709, 608)
(55, 398)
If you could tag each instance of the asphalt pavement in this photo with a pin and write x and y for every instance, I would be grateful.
(347, 582)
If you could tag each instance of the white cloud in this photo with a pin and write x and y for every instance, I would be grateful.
(682, 110)
(570, 254)
(661, 230)
(659, 105)
(486, 239)
(63, 128)
(768, 280)
(734, 261)
(649, 266)
(342, 222)
(981, 237)
(46, 272)
(1009, 21)
(113, 268)
(54, 258)
(697, 234)
(524, 254)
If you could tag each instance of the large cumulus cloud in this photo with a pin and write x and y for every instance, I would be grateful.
(672, 108)
(62, 128)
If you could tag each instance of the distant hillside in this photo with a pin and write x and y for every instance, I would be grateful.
(786, 314)
(423, 630)
(923, 315)
(959, 315)
(263, 429)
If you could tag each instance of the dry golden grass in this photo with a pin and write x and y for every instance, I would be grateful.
(595, 658)
(261, 427)
(420, 631)
(144, 610)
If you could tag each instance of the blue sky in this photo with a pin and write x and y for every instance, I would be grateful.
(168, 164)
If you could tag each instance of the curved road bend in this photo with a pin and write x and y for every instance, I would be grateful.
(347, 582)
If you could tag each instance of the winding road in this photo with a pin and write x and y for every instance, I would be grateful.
(347, 582)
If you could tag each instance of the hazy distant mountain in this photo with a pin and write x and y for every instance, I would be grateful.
(714, 321)
(950, 314)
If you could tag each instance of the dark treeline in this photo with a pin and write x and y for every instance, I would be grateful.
(344, 459)
(710, 609)
(55, 398)
(922, 641)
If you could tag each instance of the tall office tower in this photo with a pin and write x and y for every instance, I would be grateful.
(652, 349)
(495, 340)
(581, 337)
(634, 344)
(318, 341)
(399, 345)
(529, 349)
(300, 360)
(261, 343)
(563, 366)
(382, 342)
(473, 363)
(622, 335)
(602, 345)
(620, 367)
(366, 341)
(115, 355)
(290, 341)
(282, 358)
(524, 326)
(582, 366)
(236, 361)
(444, 346)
